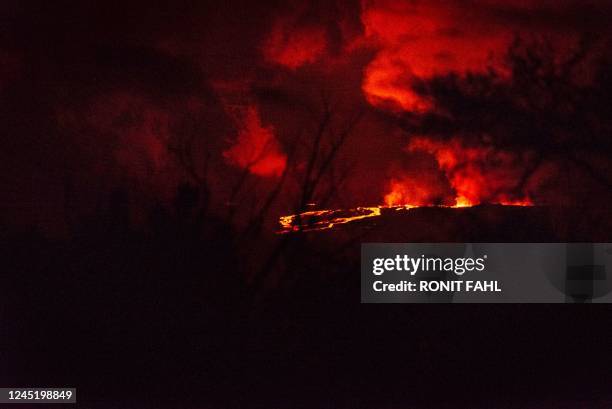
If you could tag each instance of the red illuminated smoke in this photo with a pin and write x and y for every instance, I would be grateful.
(419, 39)
(256, 147)
(293, 46)
(478, 174)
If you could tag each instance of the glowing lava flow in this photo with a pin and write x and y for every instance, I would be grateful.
(462, 201)
(327, 219)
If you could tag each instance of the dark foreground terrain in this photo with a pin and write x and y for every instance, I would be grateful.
(185, 315)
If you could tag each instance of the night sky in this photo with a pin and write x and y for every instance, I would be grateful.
(146, 96)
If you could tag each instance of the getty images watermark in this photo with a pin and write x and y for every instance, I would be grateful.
(419, 265)
(486, 272)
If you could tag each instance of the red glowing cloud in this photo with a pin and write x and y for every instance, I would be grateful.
(292, 46)
(256, 147)
(136, 131)
(478, 174)
(414, 191)
(417, 40)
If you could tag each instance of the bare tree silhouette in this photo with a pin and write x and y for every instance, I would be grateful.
(313, 164)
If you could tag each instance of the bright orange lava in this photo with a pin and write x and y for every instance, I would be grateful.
(325, 219)
(328, 219)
